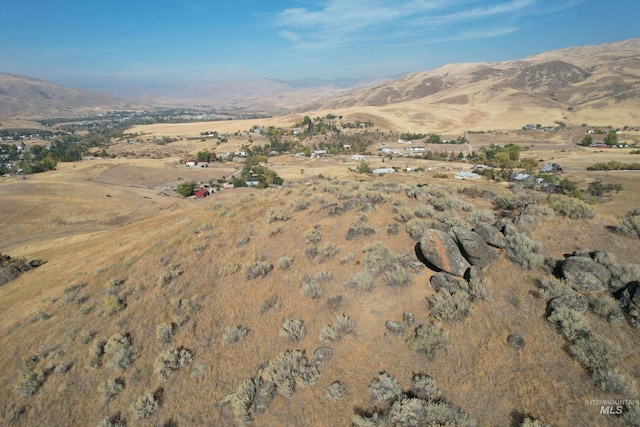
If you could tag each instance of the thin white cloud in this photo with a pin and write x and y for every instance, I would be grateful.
(333, 24)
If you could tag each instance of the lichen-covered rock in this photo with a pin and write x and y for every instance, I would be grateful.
(448, 282)
(440, 251)
(476, 276)
(395, 328)
(585, 275)
(575, 302)
(490, 234)
(515, 341)
(473, 247)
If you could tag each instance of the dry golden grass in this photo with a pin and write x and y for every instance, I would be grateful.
(130, 237)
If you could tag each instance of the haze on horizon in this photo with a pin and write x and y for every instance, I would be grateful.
(197, 42)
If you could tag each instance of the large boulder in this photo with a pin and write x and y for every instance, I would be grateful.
(490, 234)
(448, 282)
(474, 248)
(440, 251)
(585, 275)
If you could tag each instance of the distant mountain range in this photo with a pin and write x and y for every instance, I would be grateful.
(590, 84)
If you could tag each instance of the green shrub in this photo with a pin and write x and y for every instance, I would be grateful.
(612, 381)
(445, 203)
(630, 224)
(145, 405)
(481, 215)
(427, 340)
(284, 262)
(385, 388)
(448, 307)
(407, 412)
(164, 332)
(234, 333)
(268, 303)
(172, 360)
(524, 251)
(313, 235)
(341, 326)
(95, 354)
(110, 389)
(397, 277)
(277, 214)
(403, 214)
(112, 421)
(362, 281)
(593, 352)
(528, 422)
(378, 258)
(29, 382)
(446, 414)
(423, 211)
(573, 208)
(229, 269)
(446, 220)
(299, 205)
(311, 288)
(112, 305)
(571, 323)
(416, 228)
(255, 269)
(335, 391)
(607, 307)
(328, 251)
(288, 370)
(425, 387)
(549, 287)
(122, 353)
(293, 330)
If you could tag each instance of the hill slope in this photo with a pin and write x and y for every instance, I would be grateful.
(34, 98)
(591, 84)
(184, 307)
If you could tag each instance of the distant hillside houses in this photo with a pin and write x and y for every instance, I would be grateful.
(532, 127)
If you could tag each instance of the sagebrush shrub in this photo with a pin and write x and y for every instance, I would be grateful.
(416, 228)
(268, 303)
(122, 353)
(385, 388)
(335, 391)
(95, 354)
(311, 288)
(524, 251)
(28, 382)
(255, 269)
(397, 277)
(571, 323)
(277, 214)
(110, 389)
(293, 330)
(284, 262)
(145, 405)
(229, 269)
(299, 205)
(378, 258)
(481, 215)
(172, 360)
(550, 287)
(593, 352)
(427, 340)
(112, 305)
(234, 334)
(607, 307)
(362, 281)
(406, 412)
(403, 214)
(630, 224)
(112, 421)
(313, 235)
(328, 251)
(288, 370)
(164, 331)
(448, 307)
(425, 387)
(573, 208)
(342, 325)
(423, 211)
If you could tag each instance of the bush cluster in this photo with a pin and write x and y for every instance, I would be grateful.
(255, 269)
(277, 214)
(234, 333)
(524, 251)
(28, 382)
(311, 288)
(110, 389)
(145, 405)
(172, 360)
(293, 330)
(122, 353)
(573, 208)
(342, 325)
(427, 340)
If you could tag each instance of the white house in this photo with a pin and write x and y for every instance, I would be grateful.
(358, 157)
(382, 171)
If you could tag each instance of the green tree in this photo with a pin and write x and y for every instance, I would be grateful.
(611, 138)
(528, 164)
(187, 188)
(434, 139)
(587, 140)
(363, 167)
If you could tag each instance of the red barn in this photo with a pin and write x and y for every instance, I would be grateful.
(203, 192)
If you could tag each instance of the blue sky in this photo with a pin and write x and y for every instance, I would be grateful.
(194, 42)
